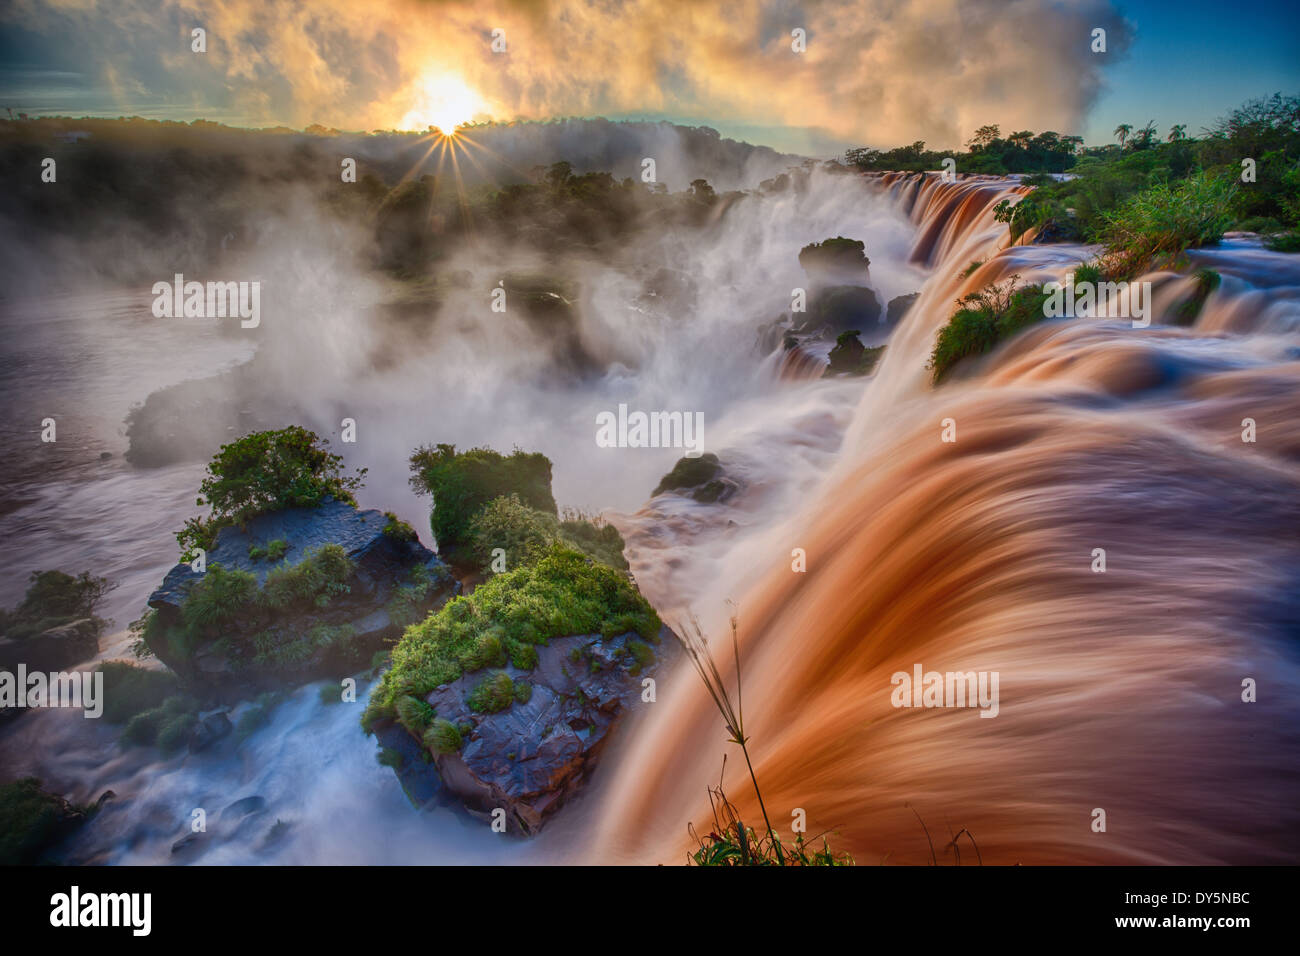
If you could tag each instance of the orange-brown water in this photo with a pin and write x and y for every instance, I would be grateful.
(1118, 690)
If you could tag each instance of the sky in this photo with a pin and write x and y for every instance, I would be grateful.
(871, 72)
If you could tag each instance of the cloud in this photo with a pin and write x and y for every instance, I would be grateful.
(874, 71)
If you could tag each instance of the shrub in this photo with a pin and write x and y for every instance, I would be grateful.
(492, 695)
(563, 593)
(54, 598)
(838, 255)
(30, 821)
(262, 472)
(216, 599)
(642, 655)
(463, 483)
(175, 732)
(442, 737)
(277, 549)
(689, 473)
(397, 529)
(524, 533)
(257, 714)
(1159, 224)
(594, 537)
(130, 689)
(983, 319)
(321, 575)
(415, 715)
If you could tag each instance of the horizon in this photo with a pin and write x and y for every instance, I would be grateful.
(1036, 71)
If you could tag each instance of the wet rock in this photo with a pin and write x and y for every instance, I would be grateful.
(243, 808)
(531, 756)
(701, 478)
(899, 306)
(360, 620)
(209, 730)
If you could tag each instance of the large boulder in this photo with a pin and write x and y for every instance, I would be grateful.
(394, 580)
(534, 753)
(55, 649)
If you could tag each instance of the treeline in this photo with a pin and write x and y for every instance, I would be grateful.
(1253, 151)
(987, 152)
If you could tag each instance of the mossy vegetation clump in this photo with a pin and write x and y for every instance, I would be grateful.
(55, 598)
(461, 483)
(851, 357)
(983, 319)
(32, 821)
(262, 472)
(563, 593)
(690, 473)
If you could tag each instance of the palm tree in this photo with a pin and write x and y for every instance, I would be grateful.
(1178, 132)
(1121, 132)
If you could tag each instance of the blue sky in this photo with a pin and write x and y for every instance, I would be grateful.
(1192, 61)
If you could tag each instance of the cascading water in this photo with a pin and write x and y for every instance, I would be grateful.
(1120, 690)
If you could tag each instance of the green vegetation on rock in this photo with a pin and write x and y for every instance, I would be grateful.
(563, 593)
(262, 472)
(462, 483)
(54, 598)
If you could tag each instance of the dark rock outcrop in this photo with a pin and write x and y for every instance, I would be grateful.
(361, 620)
(701, 478)
(532, 756)
(899, 305)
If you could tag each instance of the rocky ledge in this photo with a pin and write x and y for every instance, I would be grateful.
(533, 753)
(267, 625)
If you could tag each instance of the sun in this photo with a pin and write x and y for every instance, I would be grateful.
(443, 100)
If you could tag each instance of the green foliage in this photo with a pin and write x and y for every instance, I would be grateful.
(415, 715)
(262, 472)
(397, 529)
(404, 607)
(523, 532)
(838, 255)
(388, 757)
(443, 737)
(642, 655)
(982, 320)
(562, 593)
(988, 152)
(257, 714)
(215, 600)
(54, 598)
(1156, 226)
(130, 689)
(463, 483)
(167, 725)
(314, 581)
(690, 473)
(30, 820)
(1207, 280)
(594, 537)
(851, 357)
(1284, 242)
(493, 694)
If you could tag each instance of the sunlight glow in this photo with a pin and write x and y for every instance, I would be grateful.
(443, 100)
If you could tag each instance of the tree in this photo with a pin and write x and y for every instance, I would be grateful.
(1121, 133)
(1177, 133)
